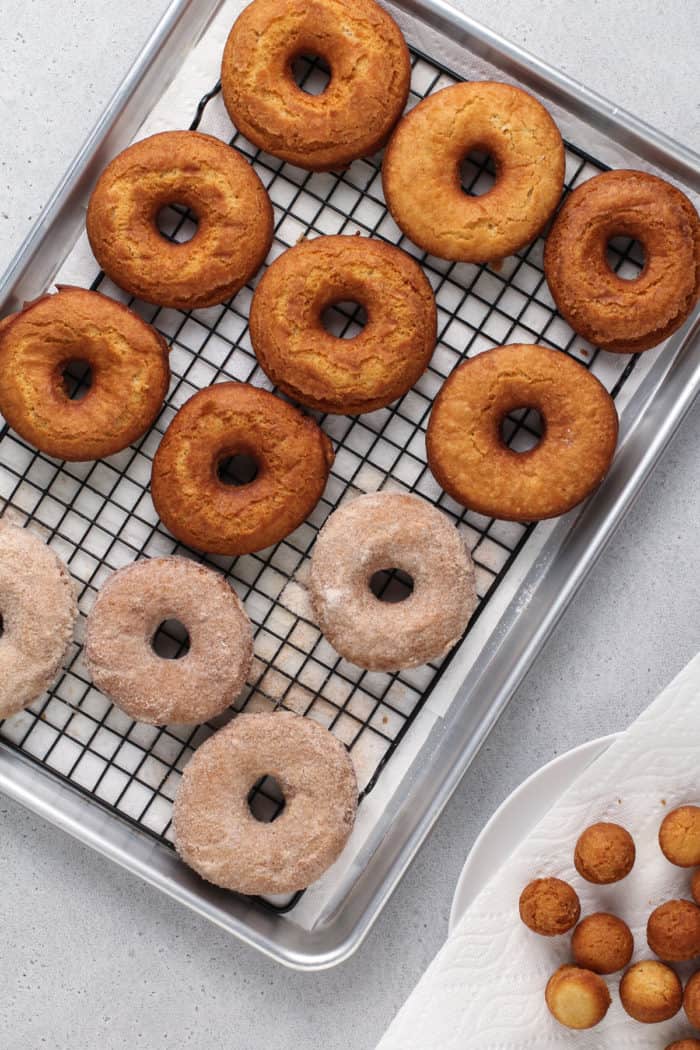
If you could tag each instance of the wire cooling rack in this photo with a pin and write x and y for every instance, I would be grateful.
(99, 516)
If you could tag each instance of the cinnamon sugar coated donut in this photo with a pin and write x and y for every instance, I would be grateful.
(691, 1000)
(391, 530)
(549, 907)
(370, 72)
(695, 886)
(577, 998)
(119, 651)
(230, 203)
(603, 943)
(679, 836)
(611, 312)
(651, 992)
(332, 374)
(604, 853)
(218, 836)
(673, 931)
(422, 181)
(128, 360)
(38, 610)
(469, 459)
(292, 454)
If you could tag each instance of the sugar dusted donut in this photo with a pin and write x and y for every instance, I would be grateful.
(344, 375)
(37, 615)
(292, 454)
(612, 313)
(421, 171)
(389, 530)
(218, 836)
(122, 662)
(233, 211)
(130, 374)
(370, 75)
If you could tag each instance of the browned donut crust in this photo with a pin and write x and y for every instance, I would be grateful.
(421, 171)
(651, 992)
(679, 836)
(691, 1000)
(673, 931)
(218, 836)
(577, 998)
(233, 211)
(347, 376)
(604, 853)
(469, 459)
(128, 361)
(612, 313)
(292, 454)
(370, 76)
(684, 1044)
(603, 943)
(549, 907)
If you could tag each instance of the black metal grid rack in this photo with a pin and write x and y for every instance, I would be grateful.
(99, 516)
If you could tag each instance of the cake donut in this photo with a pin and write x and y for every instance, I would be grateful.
(612, 313)
(577, 998)
(218, 836)
(233, 212)
(344, 375)
(421, 171)
(391, 530)
(38, 610)
(128, 360)
(119, 653)
(370, 75)
(469, 458)
(651, 992)
(292, 454)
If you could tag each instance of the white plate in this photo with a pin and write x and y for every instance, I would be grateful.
(516, 817)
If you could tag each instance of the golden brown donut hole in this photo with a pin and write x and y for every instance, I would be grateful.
(603, 943)
(679, 836)
(549, 907)
(691, 1000)
(651, 992)
(577, 998)
(604, 853)
(684, 1044)
(673, 931)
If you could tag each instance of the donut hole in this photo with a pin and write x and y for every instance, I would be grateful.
(522, 429)
(625, 257)
(239, 469)
(391, 585)
(344, 319)
(477, 173)
(311, 74)
(266, 799)
(76, 379)
(176, 223)
(171, 640)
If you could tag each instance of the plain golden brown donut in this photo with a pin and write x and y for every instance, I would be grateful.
(612, 313)
(469, 458)
(673, 931)
(331, 374)
(679, 836)
(549, 907)
(370, 76)
(651, 992)
(218, 836)
(421, 171)
(577, 998)
(604, 853)
(691, 999)
(233, 212)
(603, 943)
(292, 454)
(128, 360)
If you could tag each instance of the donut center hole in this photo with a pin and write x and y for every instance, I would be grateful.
(344, 319)
(522, 429)
(391, 585)
(240, 469)
(176, 223)
(171, 641)
(76, 378)
(266, 800)
(311, 73)
(477, 173)
(625, 257)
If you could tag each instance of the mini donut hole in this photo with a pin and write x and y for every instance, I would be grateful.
(311, 73)
(239, 469)
(176, 222)
(344, 319)
(76, 379)
(522, 429)
(171, 640)
(266, 799)
(625, 257)
(391, 585)
(477, 173)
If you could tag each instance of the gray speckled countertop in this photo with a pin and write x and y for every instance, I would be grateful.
(92, 957)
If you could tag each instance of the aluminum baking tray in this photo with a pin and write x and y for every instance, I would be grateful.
(80, 763)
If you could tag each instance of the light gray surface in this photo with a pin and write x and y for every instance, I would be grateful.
(90, 956)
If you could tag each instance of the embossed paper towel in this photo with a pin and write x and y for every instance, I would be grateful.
(485, 989)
